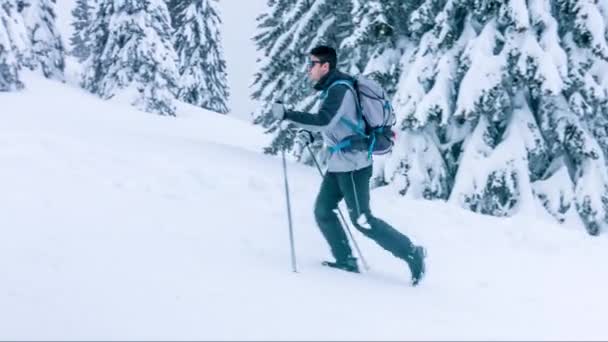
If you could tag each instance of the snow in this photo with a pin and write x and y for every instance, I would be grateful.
(557, 193)
(438, 100)
(15, 34)
(63, 11)
(119, 224)
(321, 33)
(123, 225)
(486, 70)
(424, 170)
(550, 42)
(590, 17)
(303, 25)
(549, 72)
(416, 65)
(518, 12)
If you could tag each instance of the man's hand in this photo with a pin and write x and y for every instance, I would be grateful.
(278, 111)
(305, 136)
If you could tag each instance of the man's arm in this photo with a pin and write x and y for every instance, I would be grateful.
(326, 113)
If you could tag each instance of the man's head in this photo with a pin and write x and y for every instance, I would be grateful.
(322, 60)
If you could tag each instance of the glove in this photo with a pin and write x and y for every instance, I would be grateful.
(305, 136)
(278, 111)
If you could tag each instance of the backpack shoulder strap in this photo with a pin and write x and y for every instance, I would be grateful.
(351, 87)
(344, 82)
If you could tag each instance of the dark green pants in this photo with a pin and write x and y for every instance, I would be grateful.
(353, 187)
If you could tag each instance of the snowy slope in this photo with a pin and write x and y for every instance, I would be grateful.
(118, 224)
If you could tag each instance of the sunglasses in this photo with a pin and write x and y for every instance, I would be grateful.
(311, 64)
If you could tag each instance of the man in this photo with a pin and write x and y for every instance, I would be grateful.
(348, 171)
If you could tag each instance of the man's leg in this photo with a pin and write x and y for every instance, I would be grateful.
(325, 205)
(355, 188)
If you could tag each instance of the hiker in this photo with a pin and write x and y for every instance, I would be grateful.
(348, 172)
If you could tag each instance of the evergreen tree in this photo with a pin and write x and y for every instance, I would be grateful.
(133, 56)
(501, 106)
(46, 49)
(202, 67)
(13, 45)
(81, 43)
(287, 32)
(374, 47)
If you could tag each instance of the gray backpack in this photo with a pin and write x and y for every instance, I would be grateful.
(376, 118)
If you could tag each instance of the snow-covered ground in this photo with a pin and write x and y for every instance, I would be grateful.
(118, 224)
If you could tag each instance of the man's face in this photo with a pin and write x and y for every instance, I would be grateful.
(317, 68)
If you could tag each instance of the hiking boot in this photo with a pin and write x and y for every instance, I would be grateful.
(417, 265)
(349, 265)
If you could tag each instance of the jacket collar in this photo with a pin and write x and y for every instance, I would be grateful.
(328, 79)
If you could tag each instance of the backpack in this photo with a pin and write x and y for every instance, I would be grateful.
(376, 118)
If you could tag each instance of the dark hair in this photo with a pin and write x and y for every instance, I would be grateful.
(325, 54)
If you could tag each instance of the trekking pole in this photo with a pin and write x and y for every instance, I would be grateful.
(352, 237)
(293, 250)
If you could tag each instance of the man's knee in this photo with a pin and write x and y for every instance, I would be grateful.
(361, 220)
(323, 211)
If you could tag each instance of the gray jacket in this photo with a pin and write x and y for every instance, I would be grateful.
(339, 102)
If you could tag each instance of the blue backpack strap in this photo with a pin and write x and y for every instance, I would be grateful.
(341, 145)
(352, 88)
(335, 83)
(357, 128)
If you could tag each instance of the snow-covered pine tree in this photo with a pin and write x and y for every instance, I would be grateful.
(202, 67)
(82, 13)
(422, 164)
(47, 52)
(500, 102)
(286, 33)
(376, 44)
(13, 45)
(133, 56)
